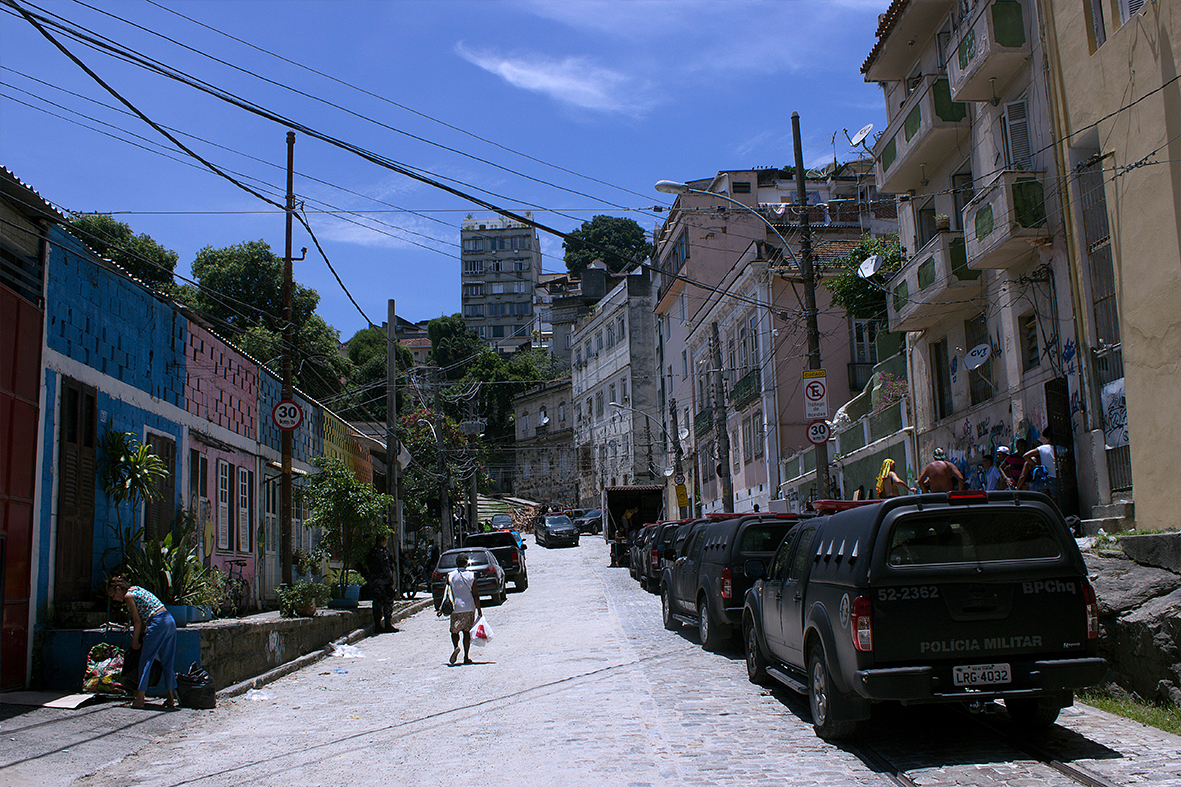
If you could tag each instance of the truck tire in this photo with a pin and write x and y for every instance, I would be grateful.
(666, 611)
(710, 633)
(821, 697)
(756, 662)
(1033, 713)
(521, 582)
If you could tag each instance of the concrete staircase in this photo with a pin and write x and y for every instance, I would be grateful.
(1116, 517)
(78, 614)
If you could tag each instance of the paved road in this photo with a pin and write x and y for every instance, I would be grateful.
(582, 686)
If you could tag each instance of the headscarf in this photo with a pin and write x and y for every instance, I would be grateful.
(887, 466)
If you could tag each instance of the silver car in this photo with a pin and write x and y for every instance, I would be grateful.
(489, 575)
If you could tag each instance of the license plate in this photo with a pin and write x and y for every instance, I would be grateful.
(981, 674)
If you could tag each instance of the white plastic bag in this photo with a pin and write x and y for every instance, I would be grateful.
(347, 651)
(481, 632)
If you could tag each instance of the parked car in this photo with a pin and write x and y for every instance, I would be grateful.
(509, 551)
(706, 583)
(501, 522)
(489, 575)
(635, 562)
(555, 529)
(948, 597)
(590, 522)
(652, 561)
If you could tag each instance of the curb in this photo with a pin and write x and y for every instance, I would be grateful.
(307, 659)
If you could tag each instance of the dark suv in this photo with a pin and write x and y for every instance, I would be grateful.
(706, 581)
(947, 597)
(510, 554)
(590, 522)
(661, 539)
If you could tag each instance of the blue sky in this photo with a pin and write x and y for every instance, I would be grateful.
(567, 108)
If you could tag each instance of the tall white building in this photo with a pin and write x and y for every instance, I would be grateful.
(501, 269)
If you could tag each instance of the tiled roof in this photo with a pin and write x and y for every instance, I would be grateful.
(416, 342)
(885, 25)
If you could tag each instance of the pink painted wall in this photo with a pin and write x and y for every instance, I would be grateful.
(221, 385)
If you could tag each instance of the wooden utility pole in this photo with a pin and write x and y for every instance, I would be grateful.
(446, 526)
(288, 387)
(723, 468)
(809, 276)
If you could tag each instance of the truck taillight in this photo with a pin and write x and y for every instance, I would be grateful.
(727, 584)
(1092, 610)
(862, 621)
(516, 556)
(655, 558)
(489, 572)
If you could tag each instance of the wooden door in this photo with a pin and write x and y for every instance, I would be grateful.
(160, 514)
(76, 490)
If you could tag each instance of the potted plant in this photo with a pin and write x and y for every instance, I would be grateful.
(301, 598)
(346, 587)
(942, 222)
(350, 512)
(128, 472)
(170, 569)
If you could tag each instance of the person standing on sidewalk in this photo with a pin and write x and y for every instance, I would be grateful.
(153, 634)
(380, 564)
(465, 609)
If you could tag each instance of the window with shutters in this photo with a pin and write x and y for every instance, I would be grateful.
(756, 425)
(224, 493)
(747, 438)
(1016, 130)
(160, 512)
(1128, 9)
(735, 451)
(245, 509)
(1030, 354)
(941, 380)
(980, 378)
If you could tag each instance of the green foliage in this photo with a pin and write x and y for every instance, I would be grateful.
(350, 512)
(891, 390)
(1164, 716)
(139, 255)
(618, 242)
(368, 343)
(293, 598)
(173, 572)
(341, 577)
(453, 343)
(363, 398)
(128, 472)
(420, 482)
(865, 298)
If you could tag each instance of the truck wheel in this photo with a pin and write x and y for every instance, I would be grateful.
(821, 697)
(666, 611)
(756, 663)
(709, 632)
(521, 582)
(1034, 713)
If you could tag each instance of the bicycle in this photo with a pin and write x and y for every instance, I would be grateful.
(237, 597)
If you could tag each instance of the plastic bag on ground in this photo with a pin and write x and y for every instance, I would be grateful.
(481, 632)
(104, 665)
(347, 651)
(257, 695)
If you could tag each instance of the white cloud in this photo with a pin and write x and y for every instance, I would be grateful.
(572, 80)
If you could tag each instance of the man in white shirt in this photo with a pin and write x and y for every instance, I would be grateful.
(466, 607)
(1043, 456)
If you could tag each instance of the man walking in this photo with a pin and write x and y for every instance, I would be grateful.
(941, 475)
(380, 564)
(465, 607)
(994, 479)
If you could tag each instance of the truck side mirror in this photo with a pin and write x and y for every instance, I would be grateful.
(755, 569)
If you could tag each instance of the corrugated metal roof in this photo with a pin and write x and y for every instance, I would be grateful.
(33, 204)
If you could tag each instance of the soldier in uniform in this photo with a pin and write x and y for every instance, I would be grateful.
(381, 580)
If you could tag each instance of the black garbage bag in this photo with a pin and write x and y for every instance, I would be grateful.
(195, 688)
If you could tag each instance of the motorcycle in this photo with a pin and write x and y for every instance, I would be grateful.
(412, 580)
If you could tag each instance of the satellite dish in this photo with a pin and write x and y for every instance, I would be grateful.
(668, 471)
(683, 433)
(869, 266)
(860, 136)
(977, 356)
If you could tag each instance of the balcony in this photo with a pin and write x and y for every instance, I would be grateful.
(1004, 220)
(936, 282)
(703, 423)
(988, 50)
(859, 374)
(903, 24)
(923, 133)
(746, 390)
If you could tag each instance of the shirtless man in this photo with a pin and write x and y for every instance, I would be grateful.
(941, 475)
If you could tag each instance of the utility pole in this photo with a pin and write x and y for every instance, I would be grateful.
(446, 526)
(723, 431)
(809, 276)
(288, 387)
(393, 446)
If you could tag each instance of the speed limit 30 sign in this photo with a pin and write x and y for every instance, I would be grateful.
(287, 415)
(818, 432)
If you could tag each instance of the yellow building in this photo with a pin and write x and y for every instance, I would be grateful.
(1116, 110)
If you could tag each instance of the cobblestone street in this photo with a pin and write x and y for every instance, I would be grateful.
(582, 685)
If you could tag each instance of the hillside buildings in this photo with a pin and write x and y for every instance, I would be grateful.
(501, 270)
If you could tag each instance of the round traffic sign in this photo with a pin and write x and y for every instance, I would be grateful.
(818, 432)
(679, 479)
(815, 390)
(287, 415)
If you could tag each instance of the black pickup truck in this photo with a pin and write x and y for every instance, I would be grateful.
(509, 552)
(704, 580)
(961, 597)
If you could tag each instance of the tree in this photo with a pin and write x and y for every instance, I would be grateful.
(364, 395)
(128, 472)
(453, 345)
(351, 513)
(420, 483)
(139, 255)
(865, 298)
(616, 241)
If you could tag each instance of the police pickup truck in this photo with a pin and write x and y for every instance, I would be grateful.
(961, 597)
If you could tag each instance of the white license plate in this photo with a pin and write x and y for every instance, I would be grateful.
(981, 674)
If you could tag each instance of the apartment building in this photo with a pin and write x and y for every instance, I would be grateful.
(543, 420)
(501, 270)
(1117, 111)
(617, 435)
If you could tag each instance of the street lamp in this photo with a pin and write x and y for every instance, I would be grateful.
(675, 187)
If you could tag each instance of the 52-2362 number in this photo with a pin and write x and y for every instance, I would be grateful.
(908, 594)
